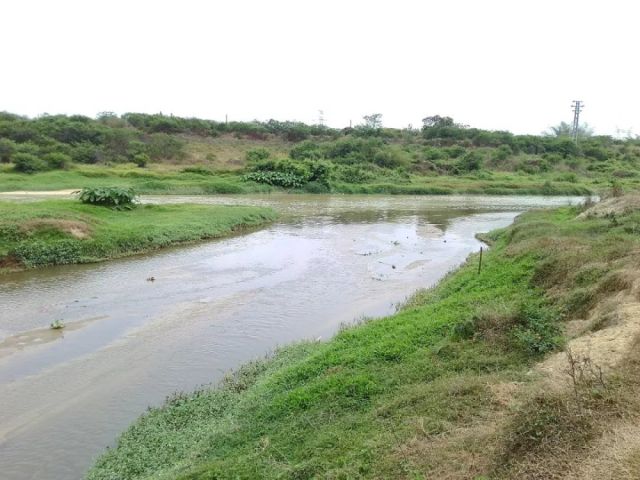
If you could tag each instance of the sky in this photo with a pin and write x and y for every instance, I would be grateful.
(503, 65)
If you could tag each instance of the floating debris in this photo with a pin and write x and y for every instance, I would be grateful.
(56, 325)
(151, 279)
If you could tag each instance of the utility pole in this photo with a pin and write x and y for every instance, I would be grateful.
(321, 118)
(577, 107)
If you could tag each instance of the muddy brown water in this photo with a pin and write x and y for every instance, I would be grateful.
(128, 342)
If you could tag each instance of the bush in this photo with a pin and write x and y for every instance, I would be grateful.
(57, 160)
(275, 178)
(597, 153)
(533, 165)
(306, 151)
(162, 145)
(86, 153)
(7, 149)
(355, 174)
(141, 159)
(316, 187)
(471, 162)
(28, 163)
(257, 154)
(108, 196)
(319, 172)
(390, 158)
(197, 170)
(501, 153)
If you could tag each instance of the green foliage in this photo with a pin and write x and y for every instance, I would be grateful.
(306, 151)
(471, 162)
(141, 159)
(537, 331)
(86, 153)
(164, 146)
(7, 149)
(56, 325)
(44, 233)
(257, 154)
(28, 163)
(108, 196)
(57, 160)
(481, 161)
(276, 178)
(355, 174)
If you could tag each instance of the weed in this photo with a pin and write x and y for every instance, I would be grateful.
(56, 325)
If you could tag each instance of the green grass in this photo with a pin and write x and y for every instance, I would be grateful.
(170, 179)
(162, 179)
(400, 397)
(34, 234)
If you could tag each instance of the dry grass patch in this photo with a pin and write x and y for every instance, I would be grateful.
(75, 228)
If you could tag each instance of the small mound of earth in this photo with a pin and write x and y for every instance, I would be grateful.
(613, 206)
(75, 228)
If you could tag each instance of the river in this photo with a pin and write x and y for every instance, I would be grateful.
(129, 342)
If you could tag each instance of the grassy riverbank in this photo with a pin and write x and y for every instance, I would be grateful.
(450, 387)
(169, 180)
(34, 234)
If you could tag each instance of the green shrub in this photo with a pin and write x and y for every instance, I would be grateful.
(257, 154)
(471, 162)
(28, 163)
(316, 187)
(197, 170)
(86, 153)
(306, 151)
(567, 177)
(108, 196)
(7, 149)
(57, 160)
(161, 145)
(277, 179)
(355, 174)
(141, 159)
(319, 172)
(501, 153)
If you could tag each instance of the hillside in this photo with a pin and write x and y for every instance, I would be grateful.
(165, 154)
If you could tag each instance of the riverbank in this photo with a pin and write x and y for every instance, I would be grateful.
(164, 179)
(53, 232)
(467, 380)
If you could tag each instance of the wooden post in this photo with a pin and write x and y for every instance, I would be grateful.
(480, 264)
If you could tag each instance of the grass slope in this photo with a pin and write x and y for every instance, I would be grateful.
(425, 393)
(165, 179)
(53, 232)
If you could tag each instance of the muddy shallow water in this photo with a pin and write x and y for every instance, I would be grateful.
(128, 342)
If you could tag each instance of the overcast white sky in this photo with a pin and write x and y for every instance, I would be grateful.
(513, 65)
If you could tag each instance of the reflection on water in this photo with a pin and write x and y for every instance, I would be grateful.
(129, 342)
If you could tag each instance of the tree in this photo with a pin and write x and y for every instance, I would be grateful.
(373, 121)
(438, 122)
(563, 129)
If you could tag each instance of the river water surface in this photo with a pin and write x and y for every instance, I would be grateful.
(66, 394)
